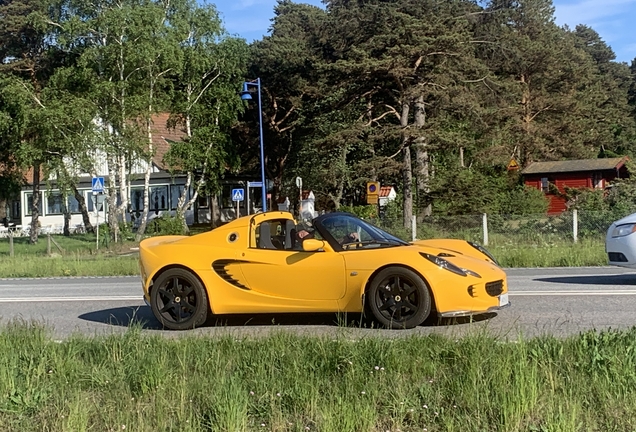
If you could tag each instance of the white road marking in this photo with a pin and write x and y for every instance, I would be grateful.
(573, 293)
(69, 299)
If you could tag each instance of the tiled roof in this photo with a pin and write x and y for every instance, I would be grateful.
(385, 191)
(574, 165)
(162, 136)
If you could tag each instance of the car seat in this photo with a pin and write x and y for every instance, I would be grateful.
(265, 237)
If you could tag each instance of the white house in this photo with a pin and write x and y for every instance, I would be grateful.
(164, 191)
(386, 194)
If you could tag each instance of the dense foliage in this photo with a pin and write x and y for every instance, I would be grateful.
(432, 96)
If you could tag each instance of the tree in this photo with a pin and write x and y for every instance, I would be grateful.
(547, 88)
(28, 53)
(205, 101)
(289, 62)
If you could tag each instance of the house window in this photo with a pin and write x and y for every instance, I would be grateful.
(158, 198)
(15, 210)
(175, 194)
(136, 199)
(597, 181)
(545, 184)
(54, 203)
(89, 202)
(202, 201)
(73, 204)
(29, 207)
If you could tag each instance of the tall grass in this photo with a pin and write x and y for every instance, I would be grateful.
(586, 252)
(80, 258)
(292, 383)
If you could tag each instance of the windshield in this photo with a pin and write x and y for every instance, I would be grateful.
(353, 233)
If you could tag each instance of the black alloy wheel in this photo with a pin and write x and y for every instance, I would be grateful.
(178, 300)
(398, 298)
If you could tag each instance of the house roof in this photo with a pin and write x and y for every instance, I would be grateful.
(385, 191)
(577, 165)
(162, 136)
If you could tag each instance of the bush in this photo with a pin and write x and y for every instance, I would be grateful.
(166, 225)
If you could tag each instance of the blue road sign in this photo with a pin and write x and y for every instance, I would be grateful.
(98, 184)
(255, 184)
(238, 194)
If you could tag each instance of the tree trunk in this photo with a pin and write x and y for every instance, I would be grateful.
(88, 226)
(35, 212)
(407, 174)
(422, 174)
(215, 212)
(67, 219)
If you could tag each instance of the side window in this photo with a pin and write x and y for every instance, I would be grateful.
(274, 234)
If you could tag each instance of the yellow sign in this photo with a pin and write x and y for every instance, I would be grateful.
(513, 165)
(372, 199)
(373, 188)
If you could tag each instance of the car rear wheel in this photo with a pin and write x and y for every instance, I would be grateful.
(398, 298)
(178, 300)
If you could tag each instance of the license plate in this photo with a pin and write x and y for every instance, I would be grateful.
(503, 299)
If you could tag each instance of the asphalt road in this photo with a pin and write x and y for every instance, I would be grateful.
(555, 301)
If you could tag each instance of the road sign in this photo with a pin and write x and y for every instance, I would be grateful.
(373, 188)
(238, 194)
(98, 185)
(255, 184)
(513, 165)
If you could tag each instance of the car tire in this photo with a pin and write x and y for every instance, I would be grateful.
(178, 300)
(399, 298)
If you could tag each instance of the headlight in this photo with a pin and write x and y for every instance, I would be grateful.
(623, 230)
(483, 250)
(441, 262)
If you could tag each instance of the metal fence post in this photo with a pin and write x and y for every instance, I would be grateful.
(485, 228)
(575, 225)
(413, 227)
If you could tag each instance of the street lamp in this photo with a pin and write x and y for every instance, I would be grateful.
(245, 95)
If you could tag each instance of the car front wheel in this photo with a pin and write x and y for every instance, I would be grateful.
(398, 298)
(178, 300)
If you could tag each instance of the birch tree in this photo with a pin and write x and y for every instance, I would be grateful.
(205, 101)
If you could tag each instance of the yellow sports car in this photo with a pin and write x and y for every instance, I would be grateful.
(266, 263)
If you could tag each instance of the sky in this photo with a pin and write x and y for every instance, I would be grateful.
(612, 19)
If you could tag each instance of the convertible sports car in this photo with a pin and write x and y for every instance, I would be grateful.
(265, 263)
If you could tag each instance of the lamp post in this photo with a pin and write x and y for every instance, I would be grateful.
(245, 95)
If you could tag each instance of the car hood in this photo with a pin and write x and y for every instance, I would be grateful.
(455, 256)
(626, 220)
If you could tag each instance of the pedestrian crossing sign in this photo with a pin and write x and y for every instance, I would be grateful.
(238, 194)
(98, 184)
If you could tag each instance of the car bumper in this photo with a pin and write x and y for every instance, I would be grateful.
(621, 251)
(503, 303)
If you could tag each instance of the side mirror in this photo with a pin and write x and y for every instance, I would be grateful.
(312, 245)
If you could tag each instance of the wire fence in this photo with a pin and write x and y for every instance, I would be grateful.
(507, 230)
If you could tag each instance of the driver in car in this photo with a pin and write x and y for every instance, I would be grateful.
(304, 233)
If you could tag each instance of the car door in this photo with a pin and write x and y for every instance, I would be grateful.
(272, 268)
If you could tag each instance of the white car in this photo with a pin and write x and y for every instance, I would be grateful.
(620, 242)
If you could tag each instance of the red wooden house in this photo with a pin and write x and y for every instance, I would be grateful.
(583, 173)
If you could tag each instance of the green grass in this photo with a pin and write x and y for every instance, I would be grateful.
(557, 254)
(81, 258)
(285, 382)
